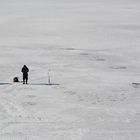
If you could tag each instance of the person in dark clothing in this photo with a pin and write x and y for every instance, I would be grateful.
(25, 71)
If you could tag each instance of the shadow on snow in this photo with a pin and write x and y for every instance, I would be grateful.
(52, 84)
(5, 83)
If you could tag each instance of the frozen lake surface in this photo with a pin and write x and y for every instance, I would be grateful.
(91, 48)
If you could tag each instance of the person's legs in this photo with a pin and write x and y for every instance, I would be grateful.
(23, 80)
(26, 80)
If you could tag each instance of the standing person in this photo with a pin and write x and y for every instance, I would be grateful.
(25, 71)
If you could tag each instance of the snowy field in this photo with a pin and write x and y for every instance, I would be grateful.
(92, 49)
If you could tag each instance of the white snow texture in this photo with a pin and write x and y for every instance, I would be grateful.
(89, 51)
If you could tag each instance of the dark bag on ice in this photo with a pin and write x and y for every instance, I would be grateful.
(15, 79)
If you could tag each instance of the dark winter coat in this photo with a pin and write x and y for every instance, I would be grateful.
(25, 71)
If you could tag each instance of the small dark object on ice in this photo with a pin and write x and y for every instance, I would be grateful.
(136, 84)
(15, 79)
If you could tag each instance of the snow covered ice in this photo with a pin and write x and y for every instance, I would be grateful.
(91, 48)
